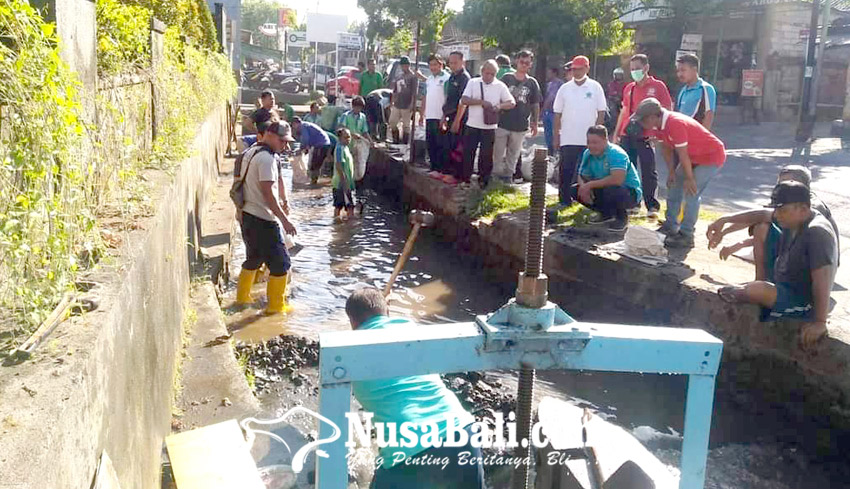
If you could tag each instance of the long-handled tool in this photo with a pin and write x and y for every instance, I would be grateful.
(419, 219)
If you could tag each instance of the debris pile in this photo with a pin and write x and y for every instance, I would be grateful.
(279, 359)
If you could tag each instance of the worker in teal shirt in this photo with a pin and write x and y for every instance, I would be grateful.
(607, 181)
(418, 399)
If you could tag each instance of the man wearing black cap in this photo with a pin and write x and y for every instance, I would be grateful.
(798, 284)
(263, 215)
(403, 100)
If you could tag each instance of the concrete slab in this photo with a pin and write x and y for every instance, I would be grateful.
(213, 388)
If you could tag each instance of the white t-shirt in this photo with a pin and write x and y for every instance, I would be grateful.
(435, 95)
(496, 93)
(579, 106)
(263, 168)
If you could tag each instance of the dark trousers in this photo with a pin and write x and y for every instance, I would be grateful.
(264, 244)
(570, 157)
(319, 155)
(374, 115)
(610, 201)
(436, 145)
(454, 150)
(472, 139)
(640, 150)
(462, 472)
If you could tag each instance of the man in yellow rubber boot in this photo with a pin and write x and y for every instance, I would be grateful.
(262, 216)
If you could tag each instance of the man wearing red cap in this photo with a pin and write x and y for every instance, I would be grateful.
(579, 105)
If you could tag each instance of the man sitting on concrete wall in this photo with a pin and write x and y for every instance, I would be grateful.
(798, 283)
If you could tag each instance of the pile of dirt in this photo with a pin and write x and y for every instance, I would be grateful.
(285, 358)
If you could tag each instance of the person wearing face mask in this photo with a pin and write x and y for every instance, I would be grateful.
(631, 136)
(579, 105)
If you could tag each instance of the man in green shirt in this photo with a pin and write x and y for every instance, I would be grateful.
(355, 121)
(504, 62)
(370, 80)
(419, 400)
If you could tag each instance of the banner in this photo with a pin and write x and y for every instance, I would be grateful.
(752, 83)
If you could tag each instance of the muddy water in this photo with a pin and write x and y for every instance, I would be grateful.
(754, 445)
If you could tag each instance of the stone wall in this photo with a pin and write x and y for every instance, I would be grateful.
(104, 381)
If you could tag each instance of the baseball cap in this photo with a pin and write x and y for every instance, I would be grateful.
(797, 173)
(580, 62)
(568, 65)
(404, 60)
(265, 92)
(648, 106)
(790, 192)
(282, 129)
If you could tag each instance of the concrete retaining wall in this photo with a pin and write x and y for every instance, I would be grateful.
(760, 357)
(104, 381)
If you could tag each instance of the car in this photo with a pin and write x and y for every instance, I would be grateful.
(393, 71)
(323, 74)
(347, 79)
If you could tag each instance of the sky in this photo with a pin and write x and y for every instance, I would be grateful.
(347, 7)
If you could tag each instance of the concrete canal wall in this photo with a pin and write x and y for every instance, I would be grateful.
(761, 356)
(103, 381)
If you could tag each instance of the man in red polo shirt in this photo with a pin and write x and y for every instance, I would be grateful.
(701, 155)
(631, 137)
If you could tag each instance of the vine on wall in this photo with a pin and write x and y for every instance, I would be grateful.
(57, 174)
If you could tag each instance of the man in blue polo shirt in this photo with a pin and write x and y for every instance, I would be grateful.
(697, 98)
(607, 181)
(311, 136)
(419, 400)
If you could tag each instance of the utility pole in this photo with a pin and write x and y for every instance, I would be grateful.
(415, 95)
(807, 121)
(824, 33)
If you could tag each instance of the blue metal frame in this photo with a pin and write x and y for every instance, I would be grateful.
(352, 356)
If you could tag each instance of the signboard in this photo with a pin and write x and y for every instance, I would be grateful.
(680, 52)
(297, 39)
(691, 42)
(283, 17)
(752, 84)
(268, 29)
(446, 50)
(325, 27)
(349, 40)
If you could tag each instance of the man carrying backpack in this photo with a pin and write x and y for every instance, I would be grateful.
(263, 207)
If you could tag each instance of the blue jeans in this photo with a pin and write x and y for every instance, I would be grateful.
(548, 130)
(676, 192)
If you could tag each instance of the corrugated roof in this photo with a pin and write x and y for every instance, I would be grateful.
(841, 5)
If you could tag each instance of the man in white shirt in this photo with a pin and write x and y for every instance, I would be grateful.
(432, 114)
(263, 214)
(482, 94)
(579, 105)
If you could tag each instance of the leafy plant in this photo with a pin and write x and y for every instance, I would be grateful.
(123, 37)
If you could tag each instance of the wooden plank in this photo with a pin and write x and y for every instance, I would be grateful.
(213, 457)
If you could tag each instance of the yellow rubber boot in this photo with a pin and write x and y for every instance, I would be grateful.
(243, 286)
(276, 291)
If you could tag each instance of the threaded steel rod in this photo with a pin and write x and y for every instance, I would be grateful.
(537, 208)
(525, 400)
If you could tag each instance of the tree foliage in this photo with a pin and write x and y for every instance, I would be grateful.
(399, 43)
(387, 16)
(192, 17)
(552, 26)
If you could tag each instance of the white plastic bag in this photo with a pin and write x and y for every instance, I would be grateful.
(300, 175)
(644, 242)
(361, 156)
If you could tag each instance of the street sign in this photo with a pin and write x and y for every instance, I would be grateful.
(324, 27)
(297, 39)
(753, 83)
(680, 52)
(691, 42)
(446, 50)
(349, 40)
(268, 29)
